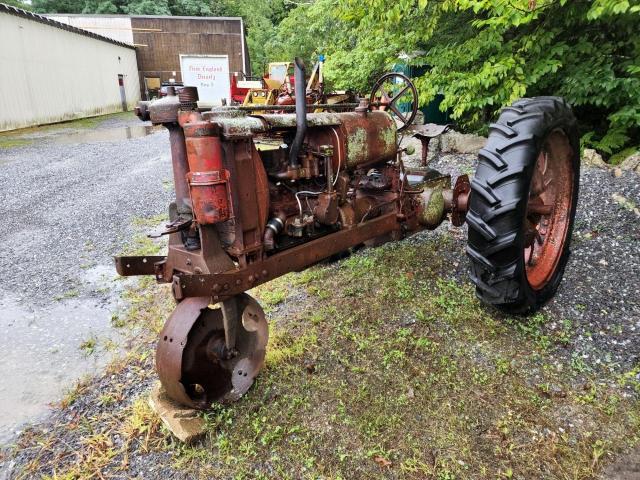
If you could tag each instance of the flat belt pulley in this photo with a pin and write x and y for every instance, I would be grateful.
(194, 364)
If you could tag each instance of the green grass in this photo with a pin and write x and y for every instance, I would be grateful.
(381, 366)
(89, 345)
(140, 244)
(73, 293)
(8, 142)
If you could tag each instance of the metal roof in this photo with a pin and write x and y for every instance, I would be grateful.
(4, 8)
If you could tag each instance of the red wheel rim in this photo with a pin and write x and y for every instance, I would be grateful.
(548, 209)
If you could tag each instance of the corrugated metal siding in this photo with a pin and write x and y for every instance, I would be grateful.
(118, 28)
(50, 74)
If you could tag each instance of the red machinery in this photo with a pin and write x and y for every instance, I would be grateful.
(258, 196)
(240, 88)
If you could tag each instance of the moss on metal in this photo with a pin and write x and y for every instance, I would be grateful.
(433, 209)
(241, 126)
(357, 147)
(389, 136)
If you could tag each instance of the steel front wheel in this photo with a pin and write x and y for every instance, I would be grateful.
(191, 360)
(523, 204)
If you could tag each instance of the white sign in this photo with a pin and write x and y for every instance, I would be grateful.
(210, 73)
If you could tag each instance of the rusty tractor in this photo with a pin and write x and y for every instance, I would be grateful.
(261, 195)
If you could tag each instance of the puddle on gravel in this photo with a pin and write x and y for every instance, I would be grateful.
(107, 134)
(41, 349)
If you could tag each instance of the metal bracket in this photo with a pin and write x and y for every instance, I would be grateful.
(173, 227)
(230, 319)
(138, 265)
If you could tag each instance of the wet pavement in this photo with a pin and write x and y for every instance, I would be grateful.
(108, 134)
(69, 199)
(41, 354)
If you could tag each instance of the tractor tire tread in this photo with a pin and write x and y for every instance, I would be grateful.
(499, 194)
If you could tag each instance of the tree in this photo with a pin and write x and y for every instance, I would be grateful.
(260, 17)
(147, 7)
(195, 8)
(484, 54)
(19, 4)
(57, 6)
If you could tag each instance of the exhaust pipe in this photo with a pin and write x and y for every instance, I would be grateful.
(300, 91)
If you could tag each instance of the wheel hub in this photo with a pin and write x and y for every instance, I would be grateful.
(549, 202)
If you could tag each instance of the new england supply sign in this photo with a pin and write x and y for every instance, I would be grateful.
(210, 73)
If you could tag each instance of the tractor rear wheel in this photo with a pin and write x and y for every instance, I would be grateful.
(523, 203)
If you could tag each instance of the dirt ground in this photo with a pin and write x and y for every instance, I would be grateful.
(381, 365)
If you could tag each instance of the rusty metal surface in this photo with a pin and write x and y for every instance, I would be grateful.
(429, 130)
(425, 133)
(241, 126)
(386, 97)
(171, 344)
(290, 108)
(180, 167)
(287, 120)
(548, 209)
(138, 265)
(209, 196)
(191, 359)
(227, 284)
(269, 194)
(432, 207)
(188, 97)
(164, 110)
(207, 176)
(368, 138)
(460, 200)
(142, 111)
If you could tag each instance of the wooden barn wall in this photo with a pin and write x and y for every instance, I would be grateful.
(161, 56)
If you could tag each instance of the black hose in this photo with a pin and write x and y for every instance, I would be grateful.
(300, 91)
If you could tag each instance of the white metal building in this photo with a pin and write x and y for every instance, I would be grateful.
(51, 72)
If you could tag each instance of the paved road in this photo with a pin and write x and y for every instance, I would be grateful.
(67, 203)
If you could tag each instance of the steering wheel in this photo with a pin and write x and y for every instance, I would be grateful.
(394, 92)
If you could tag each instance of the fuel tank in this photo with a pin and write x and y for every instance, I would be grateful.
(358, 140)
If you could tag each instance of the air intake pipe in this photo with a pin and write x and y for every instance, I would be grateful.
(300, 91)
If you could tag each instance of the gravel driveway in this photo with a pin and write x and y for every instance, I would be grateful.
(68, 200)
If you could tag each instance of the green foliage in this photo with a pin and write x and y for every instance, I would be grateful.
(261, 17)
(484, 54)
(18, 3)
(133, 7)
